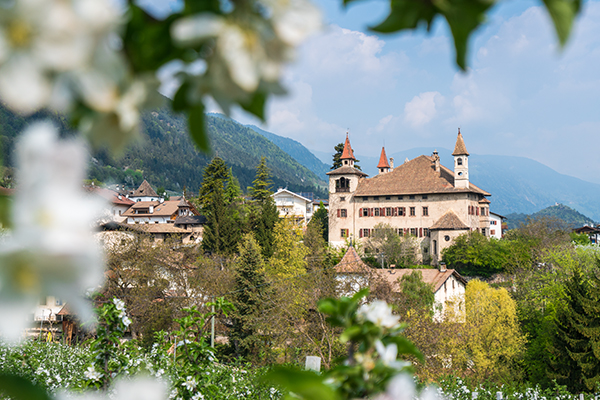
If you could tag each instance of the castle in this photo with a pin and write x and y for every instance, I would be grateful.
(421, 198)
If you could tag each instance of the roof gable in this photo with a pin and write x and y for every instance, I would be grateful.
(351, 263)
(448, 222)
(145, 190)
(285, 191)
(434, 277)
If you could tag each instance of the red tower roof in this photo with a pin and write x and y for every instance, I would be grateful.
(347, 153)
(383, 161)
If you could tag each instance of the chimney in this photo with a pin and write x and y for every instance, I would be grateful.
(391, 163)
(436, 161)
(151, 209)
(442, 267)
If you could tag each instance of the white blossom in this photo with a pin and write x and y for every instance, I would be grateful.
(92, 374)
(51, 249)
(388, 355)
(125, 389)
(126, 321)
(190, 383)
(379, 313)
(42, 39)
(119, 304)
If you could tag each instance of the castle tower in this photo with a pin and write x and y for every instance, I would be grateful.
(461, 163)
(383, 165)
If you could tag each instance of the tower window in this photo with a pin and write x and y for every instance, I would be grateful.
(459, 161)
(460, 174)
(345, 162)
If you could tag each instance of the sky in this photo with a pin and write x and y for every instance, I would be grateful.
(521, 96)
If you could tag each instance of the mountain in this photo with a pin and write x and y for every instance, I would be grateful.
(572, 217)
(297, 151)
(166, 157)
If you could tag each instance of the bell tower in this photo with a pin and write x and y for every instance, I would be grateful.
(461, 163)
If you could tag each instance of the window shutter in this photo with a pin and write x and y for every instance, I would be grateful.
(420, 232)
(360, 233)
(477, 211)
(360, 212)
(339, 212)
(404, 211)
(382, 212)
(371, 212)
(406, 231)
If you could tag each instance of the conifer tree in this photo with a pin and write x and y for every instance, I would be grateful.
(337, 162)
(321, 219)
(249, 298)
(216, 174)
(263, 213)
(221, 233)
(233, 192)
(576, 347)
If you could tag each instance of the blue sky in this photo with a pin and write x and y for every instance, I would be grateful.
(522, 96)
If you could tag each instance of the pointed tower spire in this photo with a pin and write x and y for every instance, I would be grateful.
(383, 165)
(347, 154)
(460, 149)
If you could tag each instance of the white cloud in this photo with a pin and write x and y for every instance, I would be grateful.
(422, 108)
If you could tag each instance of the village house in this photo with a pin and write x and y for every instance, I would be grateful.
(496, 227)
(294, 206)
(116, 205)
(421, 198)
(448, 285)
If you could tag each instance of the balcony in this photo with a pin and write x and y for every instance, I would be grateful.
(342, 189)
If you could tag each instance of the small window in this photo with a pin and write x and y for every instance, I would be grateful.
(366, 232)
(425, 211)
(400, 232)
(365, 198)
(460, 174)
(343, 213)
(447, 238)
(376, 212)
(388, 197)
(424, 197)
(365, 212)
(426, 232)
(345, 162)
(344, 233)
(342, 198)
(412, 197)
(413, 211)
(388, 211)
(376, 198)
(399, 197)
(492, 232)
(459, 161)
(413, 231)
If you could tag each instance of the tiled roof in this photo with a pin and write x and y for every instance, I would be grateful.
(166, 208)
(460, 149)
(448, 222)
(66, 310)
(347, 170)
(383, 161)
(112, 196)
(431, 276)
(417, 176)
(347, 153)
(183, 203)
(145, 190)
(351, 263)
(484, 201)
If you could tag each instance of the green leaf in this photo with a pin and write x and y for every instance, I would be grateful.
(198, 127)
(180, 100)
(563, 13)
(350, 333)
(406, 14)
(256, 105)
(305, 385)
(18, 388)
(5, 204)
(147, 41)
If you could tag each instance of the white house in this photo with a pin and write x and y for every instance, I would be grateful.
(496, 225)
(448, 285)
(158, 212)
(292, 205)
(117, 203)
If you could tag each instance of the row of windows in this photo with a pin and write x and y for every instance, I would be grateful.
(474, 210)
(368, 232)
(411, 197)
(389, 212)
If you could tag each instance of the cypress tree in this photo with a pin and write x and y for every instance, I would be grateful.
(321, 218)
(221, 233)
(215, 174)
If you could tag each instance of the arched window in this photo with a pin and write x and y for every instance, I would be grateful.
(342, 185)
(459, 161)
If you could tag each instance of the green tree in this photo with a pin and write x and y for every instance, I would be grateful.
(289, 252)
(249, 298)
(221, 232)
(263, 214)
(215, 176)
(233, 192)
(337, 162)
(576, 347)
(320, 219)
(493, 338)
(415, 295)
(401, 251)
(475, 254)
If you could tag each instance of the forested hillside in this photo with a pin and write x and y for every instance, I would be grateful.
(573, 218)
(165, 156)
